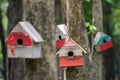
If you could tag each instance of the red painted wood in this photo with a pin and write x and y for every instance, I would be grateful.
(73, 61)
(60, 43)
(106, 46)
(12, 52)
(14, 36)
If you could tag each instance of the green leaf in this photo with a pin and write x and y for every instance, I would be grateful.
(109, 1)
(87, 24)
(92, 28)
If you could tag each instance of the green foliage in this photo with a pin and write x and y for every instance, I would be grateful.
(4, 5)
(91, 28)
(0, 55)
(87, 10)
(109, 1)
(116, 21)
(88, 16)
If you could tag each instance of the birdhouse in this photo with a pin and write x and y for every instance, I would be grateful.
(102, 42)
(60, 35)
(71, 54)
(24, 41)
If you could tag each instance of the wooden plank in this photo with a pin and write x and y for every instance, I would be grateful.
(71, 62)
(64, 51)
(33, 51)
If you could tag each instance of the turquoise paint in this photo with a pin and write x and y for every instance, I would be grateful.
(101, 40)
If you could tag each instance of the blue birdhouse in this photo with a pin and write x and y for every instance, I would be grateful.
(102, 42)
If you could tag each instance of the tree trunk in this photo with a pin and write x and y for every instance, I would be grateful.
(42, 15)
(16, 66)
(77, 31)
(108, 61)
(58, 13)
(63, 10)
(97, 22)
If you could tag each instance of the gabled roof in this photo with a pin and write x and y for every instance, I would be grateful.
(62, 28)
(71, 43)
(27, 27)
(98, 36)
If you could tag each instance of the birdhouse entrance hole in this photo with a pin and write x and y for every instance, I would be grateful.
(70, 53)
(20, 41)
(104, 41)
(60, 37)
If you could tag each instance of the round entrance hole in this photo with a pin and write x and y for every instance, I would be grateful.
(104, 41)
(60, 37)
(20, 41)
(70, 53)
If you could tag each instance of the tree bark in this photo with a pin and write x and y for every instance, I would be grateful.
(63, 10)
(97, 22)
(108, 56)
(97, 14)
(58, 13)
(42, 15)
(77, 31)
(16, 66)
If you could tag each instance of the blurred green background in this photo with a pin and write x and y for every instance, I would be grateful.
(3, 8)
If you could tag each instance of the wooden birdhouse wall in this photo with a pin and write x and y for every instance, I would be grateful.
(33, 51)
(60, 35)
(61, 31)
(71, 62)
(71, 54)
(76, 51)
(24, 42)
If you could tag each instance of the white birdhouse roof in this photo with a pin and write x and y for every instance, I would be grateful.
(71, 43)
(62, 28)
(98, 36)
(25, 26)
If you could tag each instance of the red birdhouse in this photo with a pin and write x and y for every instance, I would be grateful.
(71, 54)
(60, 35)
(102, 42)
(24, 41)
